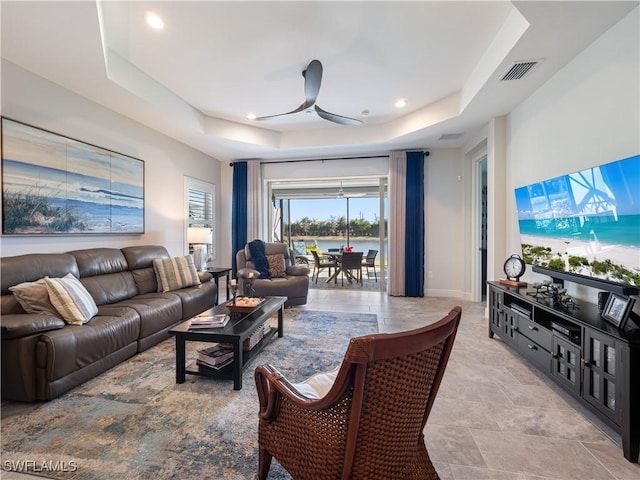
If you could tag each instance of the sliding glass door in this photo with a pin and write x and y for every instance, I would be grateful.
(333, 214)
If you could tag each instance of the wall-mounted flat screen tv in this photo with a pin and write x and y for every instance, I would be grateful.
(585, 226)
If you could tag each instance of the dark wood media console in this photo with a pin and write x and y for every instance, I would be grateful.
(596, 362)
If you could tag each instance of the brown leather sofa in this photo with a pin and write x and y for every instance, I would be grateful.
(294, 285)
(43, 357)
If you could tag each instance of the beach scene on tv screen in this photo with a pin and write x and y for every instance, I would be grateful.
(586, 222)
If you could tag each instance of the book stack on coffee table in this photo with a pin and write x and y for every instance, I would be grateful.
(207, 320)
(215, 357)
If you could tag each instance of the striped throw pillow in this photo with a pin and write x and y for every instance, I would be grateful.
(71, 300)
(175, 273)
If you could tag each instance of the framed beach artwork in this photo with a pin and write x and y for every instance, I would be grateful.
(55, 185)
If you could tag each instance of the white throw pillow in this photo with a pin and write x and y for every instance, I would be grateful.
(34, 297)
(318, 385)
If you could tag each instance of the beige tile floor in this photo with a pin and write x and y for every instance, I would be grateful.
(495, 417)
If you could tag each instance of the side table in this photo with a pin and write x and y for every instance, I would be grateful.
(218, 272)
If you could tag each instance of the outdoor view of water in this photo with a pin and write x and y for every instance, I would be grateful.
(358, 245)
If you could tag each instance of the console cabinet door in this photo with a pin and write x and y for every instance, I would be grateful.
(496, 314)
(601, 367)
(565, 364)
(509, 327)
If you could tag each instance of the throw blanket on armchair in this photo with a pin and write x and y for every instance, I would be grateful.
(256, 247)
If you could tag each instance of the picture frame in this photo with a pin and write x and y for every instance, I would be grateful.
(617, 309)
(55, 185)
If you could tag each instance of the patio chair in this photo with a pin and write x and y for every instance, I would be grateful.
(321, 263)
(300, 256)
(351, 266)
(370, 262)
(364, 419)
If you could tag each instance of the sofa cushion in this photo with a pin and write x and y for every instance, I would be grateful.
(111, 287)
(33, 266)
(34, 297)
(64, 351)
(142, 256)
(72, 301)
(197, 299)
(175, 273)
(157, 311)
(104, 273)
(277, 267)
(99, 261)
(145, 280)
(140, 260)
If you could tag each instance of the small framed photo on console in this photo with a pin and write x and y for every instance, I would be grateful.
(617, 309)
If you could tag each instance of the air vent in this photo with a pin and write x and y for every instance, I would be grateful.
(450, 136)
(519, 70)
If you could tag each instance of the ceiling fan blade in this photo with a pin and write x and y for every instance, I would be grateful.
(312, 80)
(299, 109)
(332, 117)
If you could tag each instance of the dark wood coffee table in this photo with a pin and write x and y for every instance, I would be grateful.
(240, 327)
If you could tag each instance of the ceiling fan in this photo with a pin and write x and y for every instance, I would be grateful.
(342, 194)
(312, 80)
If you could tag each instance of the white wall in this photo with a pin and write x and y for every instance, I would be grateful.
(444, 239)
(325, 169)
(225, 255)
(587, 114)
(38, 102)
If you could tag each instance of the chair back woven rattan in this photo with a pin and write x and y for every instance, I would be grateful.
(370, 423)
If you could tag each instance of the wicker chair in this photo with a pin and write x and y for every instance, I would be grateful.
(369, 421)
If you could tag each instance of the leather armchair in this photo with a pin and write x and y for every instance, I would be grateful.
(294, 286)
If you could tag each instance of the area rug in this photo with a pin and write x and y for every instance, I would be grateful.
(135, 422)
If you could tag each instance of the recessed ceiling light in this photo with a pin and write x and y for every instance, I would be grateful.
(154, 21)
(365, 112)
(401, 103)
(251, 116)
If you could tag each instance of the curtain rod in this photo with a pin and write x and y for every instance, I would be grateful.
(318, 159)
(426, 154)
(326, 159)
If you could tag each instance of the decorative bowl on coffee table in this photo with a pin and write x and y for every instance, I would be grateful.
(244, 304)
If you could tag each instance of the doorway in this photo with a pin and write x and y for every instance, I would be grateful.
(482, 233)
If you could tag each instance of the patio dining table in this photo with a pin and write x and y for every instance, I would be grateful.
(337, 256)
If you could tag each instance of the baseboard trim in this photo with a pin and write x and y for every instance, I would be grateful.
(443, 293)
